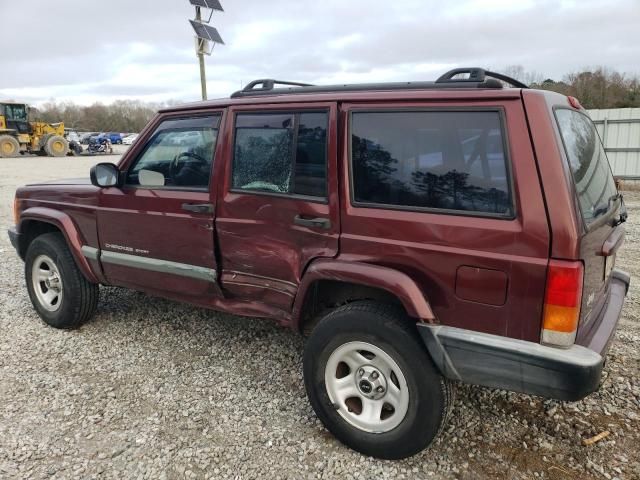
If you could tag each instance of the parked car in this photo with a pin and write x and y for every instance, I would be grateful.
(85, 137)
(129, 139)
(115, 138)
(185, 138)
(71, 135)
(419, 234)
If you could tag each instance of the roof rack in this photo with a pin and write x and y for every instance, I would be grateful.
(475, 78)
(478, 75)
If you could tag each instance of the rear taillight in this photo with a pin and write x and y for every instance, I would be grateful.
(562, 300)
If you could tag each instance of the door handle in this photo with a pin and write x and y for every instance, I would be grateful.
(198, 207)
(312, 222)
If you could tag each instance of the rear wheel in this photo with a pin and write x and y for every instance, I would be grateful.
(56, 146)
(372, 383)
(9, 146)
(61, 295)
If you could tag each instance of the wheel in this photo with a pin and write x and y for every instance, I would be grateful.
(59, 292)
(9, 146)
(372, 383)
(56, 146)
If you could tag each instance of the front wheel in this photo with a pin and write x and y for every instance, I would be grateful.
(9, 146)
(61, 295)
(372, 383)
(56, 146)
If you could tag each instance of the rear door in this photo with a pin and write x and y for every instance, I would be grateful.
(599, 206)
(278, 208)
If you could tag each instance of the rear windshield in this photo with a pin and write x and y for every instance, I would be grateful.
(589, 165)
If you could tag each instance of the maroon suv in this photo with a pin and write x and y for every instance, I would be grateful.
(419, 233)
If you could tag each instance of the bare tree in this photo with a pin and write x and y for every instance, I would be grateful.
(120, 116)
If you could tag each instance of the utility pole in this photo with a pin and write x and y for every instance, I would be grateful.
(201, 41)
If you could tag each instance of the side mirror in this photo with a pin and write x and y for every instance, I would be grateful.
(105, 175)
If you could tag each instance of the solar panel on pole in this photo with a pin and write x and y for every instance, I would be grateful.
(212, 4)
(206, 32)
(206, 35)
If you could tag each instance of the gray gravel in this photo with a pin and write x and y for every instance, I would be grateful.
(154, 389)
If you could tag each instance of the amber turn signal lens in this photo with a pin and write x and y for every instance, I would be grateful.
(16, 211)
(561, 319)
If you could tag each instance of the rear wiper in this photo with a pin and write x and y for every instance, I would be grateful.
(614, 197)
(623, 212)
(604, 209)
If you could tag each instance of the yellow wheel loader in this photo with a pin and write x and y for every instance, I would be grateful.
(18, 135)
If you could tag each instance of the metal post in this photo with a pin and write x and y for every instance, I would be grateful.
(203, 75)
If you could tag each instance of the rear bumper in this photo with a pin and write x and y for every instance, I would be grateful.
(527, 367)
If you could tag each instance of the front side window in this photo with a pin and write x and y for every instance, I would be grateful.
(431, 160)
(283, 153)
(179, 154)
(588, 162)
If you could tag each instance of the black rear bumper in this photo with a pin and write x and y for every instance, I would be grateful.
(521, 366)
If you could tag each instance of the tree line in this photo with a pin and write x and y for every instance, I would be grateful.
(119, 116)
(600, 87)
(596, 88)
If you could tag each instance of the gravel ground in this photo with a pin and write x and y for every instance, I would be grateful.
(155, 389)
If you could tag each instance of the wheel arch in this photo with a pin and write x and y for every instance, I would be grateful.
(37, 221)
(365, 281)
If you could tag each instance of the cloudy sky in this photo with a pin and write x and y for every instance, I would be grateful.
(88, 50)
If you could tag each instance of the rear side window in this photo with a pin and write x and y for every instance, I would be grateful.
(431, 160)
(594, 182)
(283, 153)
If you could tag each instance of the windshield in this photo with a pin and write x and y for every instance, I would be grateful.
(17, 113)
(594, 182)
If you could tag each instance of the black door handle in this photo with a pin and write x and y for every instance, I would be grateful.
(198, 207)
(313, 222)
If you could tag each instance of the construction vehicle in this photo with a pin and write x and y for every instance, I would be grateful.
(19, 135)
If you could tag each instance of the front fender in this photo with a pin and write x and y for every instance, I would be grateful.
(403, 287)
(66, 225)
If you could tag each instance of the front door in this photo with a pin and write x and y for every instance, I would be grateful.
(156, 232)
(278, 209)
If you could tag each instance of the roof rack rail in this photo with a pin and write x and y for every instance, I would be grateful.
(477, 78)
(478, 75)
(267, 84)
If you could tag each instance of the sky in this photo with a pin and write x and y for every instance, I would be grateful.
(89, 51)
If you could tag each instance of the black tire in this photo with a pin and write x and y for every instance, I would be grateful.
(80, 298)
(56, 146)
(385, 327)
(9, 146)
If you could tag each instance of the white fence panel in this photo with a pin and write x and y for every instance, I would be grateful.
(619, 129)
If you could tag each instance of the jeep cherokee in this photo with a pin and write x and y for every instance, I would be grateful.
(418, 233)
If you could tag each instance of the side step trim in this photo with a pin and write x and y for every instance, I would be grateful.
(151, 264)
